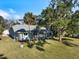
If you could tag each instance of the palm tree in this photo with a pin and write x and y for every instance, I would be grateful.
(29, 19)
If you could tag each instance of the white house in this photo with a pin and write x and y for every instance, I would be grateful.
(28, 32)
(22, 31)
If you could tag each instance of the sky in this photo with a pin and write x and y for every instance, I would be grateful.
(15, 9)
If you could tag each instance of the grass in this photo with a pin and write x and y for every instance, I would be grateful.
(51, 50)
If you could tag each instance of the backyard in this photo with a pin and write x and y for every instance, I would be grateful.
(53, 49)
(41, 29)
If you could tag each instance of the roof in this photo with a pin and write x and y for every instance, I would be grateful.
(23, 26)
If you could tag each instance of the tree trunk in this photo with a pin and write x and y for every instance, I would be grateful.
(29, 34)
(60, 36)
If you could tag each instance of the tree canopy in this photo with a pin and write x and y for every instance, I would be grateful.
(74, 24)
(2, 24)
(29, 18)
(59, 14)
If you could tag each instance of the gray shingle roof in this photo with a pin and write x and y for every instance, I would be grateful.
(23, 26)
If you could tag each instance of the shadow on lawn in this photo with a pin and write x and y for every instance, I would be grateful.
(68, 39)
(39, 45)
(3, 57)
(56, 39)
(67, 43)
(40, 48)
(0, 38)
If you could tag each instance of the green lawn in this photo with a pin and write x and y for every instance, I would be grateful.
(52, 50)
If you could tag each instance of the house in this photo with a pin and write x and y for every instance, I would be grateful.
(27, 32)
(22, 31)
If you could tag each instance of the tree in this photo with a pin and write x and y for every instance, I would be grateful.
(74, 24)
(29, 18)
(48, 16)
(61, 27)
(2, 24)
(58, 15)
(63, 9)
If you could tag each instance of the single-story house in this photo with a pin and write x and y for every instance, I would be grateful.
(26, 32)
(22, 31)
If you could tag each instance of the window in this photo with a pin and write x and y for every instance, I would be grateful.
(25, 33)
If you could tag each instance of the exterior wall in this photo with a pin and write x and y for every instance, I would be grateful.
(29, 36)
(11, 33)
(23, 37)
(20, 37)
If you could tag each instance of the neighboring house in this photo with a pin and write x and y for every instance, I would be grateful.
(22, 31)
